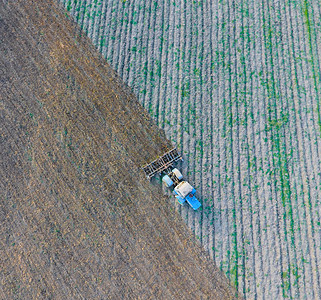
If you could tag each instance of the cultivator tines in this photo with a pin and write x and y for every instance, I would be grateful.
(162, 163)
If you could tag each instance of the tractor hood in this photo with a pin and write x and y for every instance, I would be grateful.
(184, 188)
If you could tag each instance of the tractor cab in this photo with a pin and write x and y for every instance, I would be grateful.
(183, 189)
(185, 192)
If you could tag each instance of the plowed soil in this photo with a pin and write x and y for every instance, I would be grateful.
(78, 218)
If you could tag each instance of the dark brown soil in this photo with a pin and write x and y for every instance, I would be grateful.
(78, 219)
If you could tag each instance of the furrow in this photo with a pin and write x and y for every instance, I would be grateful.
(122, 37)
(215, 135)
(163, 66)
(106, 30)
(256, 277)
(266, 192)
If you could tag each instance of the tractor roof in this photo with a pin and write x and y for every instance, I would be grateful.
(184, 188)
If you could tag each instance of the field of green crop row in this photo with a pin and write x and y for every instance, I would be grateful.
(237, 86)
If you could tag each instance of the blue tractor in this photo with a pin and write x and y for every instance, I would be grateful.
(182, 190)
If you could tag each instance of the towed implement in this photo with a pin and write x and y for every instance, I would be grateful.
(173, 178)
